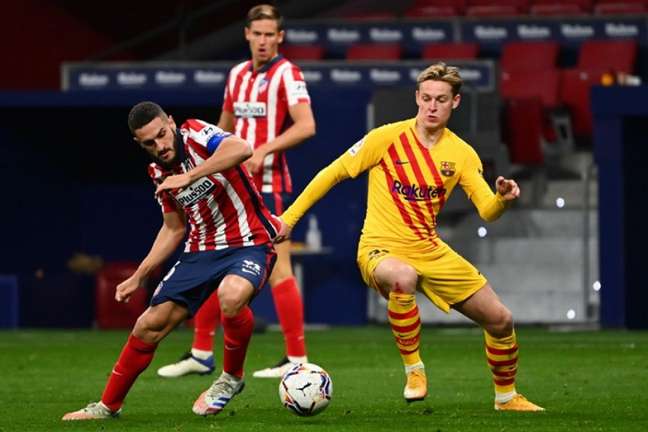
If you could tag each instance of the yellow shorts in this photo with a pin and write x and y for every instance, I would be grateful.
(445, 277)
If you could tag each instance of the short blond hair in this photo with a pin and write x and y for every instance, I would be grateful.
(262, 12)
(441, 72)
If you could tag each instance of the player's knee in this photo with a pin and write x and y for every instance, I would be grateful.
(396, 276)
(149, 327)
(232, 297)
(404, 279)
(503, 326)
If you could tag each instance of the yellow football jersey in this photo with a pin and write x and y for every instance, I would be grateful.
(409, 184)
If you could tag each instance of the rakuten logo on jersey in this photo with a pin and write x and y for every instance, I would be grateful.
(249, 109)
(197, 190)
(416, 192)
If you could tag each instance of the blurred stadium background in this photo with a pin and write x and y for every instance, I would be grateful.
(553, 98)
(79, 212)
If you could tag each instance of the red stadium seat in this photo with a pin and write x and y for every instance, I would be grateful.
(450, 51)
(497, 7)
(616, 55)
(110, 314)
(540, 84)
(302, 52)
(374, 51)
(620, 7)
(523, 131)
(435, 8)
(533, 56)
(560, 7)
(575, 85)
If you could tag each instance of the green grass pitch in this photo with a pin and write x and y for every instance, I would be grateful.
(588, 381)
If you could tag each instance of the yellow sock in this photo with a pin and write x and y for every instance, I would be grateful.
(502, 356)
(406, 325)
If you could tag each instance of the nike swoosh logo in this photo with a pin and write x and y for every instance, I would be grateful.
(401, 162)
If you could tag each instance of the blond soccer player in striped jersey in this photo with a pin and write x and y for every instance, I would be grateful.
(413, 167)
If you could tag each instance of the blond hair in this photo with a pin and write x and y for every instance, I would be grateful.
(264, 11)
(441, 72)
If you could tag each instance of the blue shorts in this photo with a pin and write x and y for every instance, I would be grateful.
(197, 274)
(277, 202)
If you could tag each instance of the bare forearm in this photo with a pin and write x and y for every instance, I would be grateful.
(226, 156)
(291, 137)
(164, 245)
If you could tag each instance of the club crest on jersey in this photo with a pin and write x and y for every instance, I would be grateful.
(250, 109)
(448, 169)
(263, 85)
(195, 191)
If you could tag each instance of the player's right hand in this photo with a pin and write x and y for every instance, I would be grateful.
(125, 289)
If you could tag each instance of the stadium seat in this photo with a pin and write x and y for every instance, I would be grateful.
(615, 55)
(529, 56)
(486, 8)
(450, 51)
(110, 314)
(540, 84)
(363, 9)
(523, 131)
(298, 52)
(620, 7)
(575, 85)
(435, 8)
(376, 51)
(560, 7)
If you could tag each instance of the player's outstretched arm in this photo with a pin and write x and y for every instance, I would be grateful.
(316, 189)
(230, 152)
(169, 237)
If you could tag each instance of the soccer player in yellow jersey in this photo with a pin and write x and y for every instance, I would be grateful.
(413, 167)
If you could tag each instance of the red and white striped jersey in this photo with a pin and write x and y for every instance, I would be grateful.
(259, 101)
(223, 209)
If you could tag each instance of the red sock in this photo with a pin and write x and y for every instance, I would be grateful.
(290, 311)
(134, 358)
(237, 332)
(205, 323)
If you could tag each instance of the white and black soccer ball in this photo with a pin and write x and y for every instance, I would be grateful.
(306, 389)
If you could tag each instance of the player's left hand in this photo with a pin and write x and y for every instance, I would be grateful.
(174, 182)
(255, 163)
(507, 188)
(284, 232)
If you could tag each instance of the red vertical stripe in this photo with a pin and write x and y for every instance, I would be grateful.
(402, 176)
(419, 177)
(432, 166)
(397, 201)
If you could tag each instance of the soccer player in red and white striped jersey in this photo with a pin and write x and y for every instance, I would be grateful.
(267, 104)
(200, 182)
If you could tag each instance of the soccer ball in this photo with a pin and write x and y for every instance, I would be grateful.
(306, 389)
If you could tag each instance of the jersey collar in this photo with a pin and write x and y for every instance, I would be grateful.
(266, 66)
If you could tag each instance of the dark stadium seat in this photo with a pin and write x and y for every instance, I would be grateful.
(620, 7)
(560, 7)
(529, 56)
(108, 312)
(302, 52)
(574, 93)
(435, 8)
(486, 8)
(616, 55)
(450, 51)
(523, 131)
(541, 84)
(375, 51)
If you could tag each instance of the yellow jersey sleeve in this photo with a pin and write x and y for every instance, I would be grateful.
(489, 205)
(367, 152)
(316, 189)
